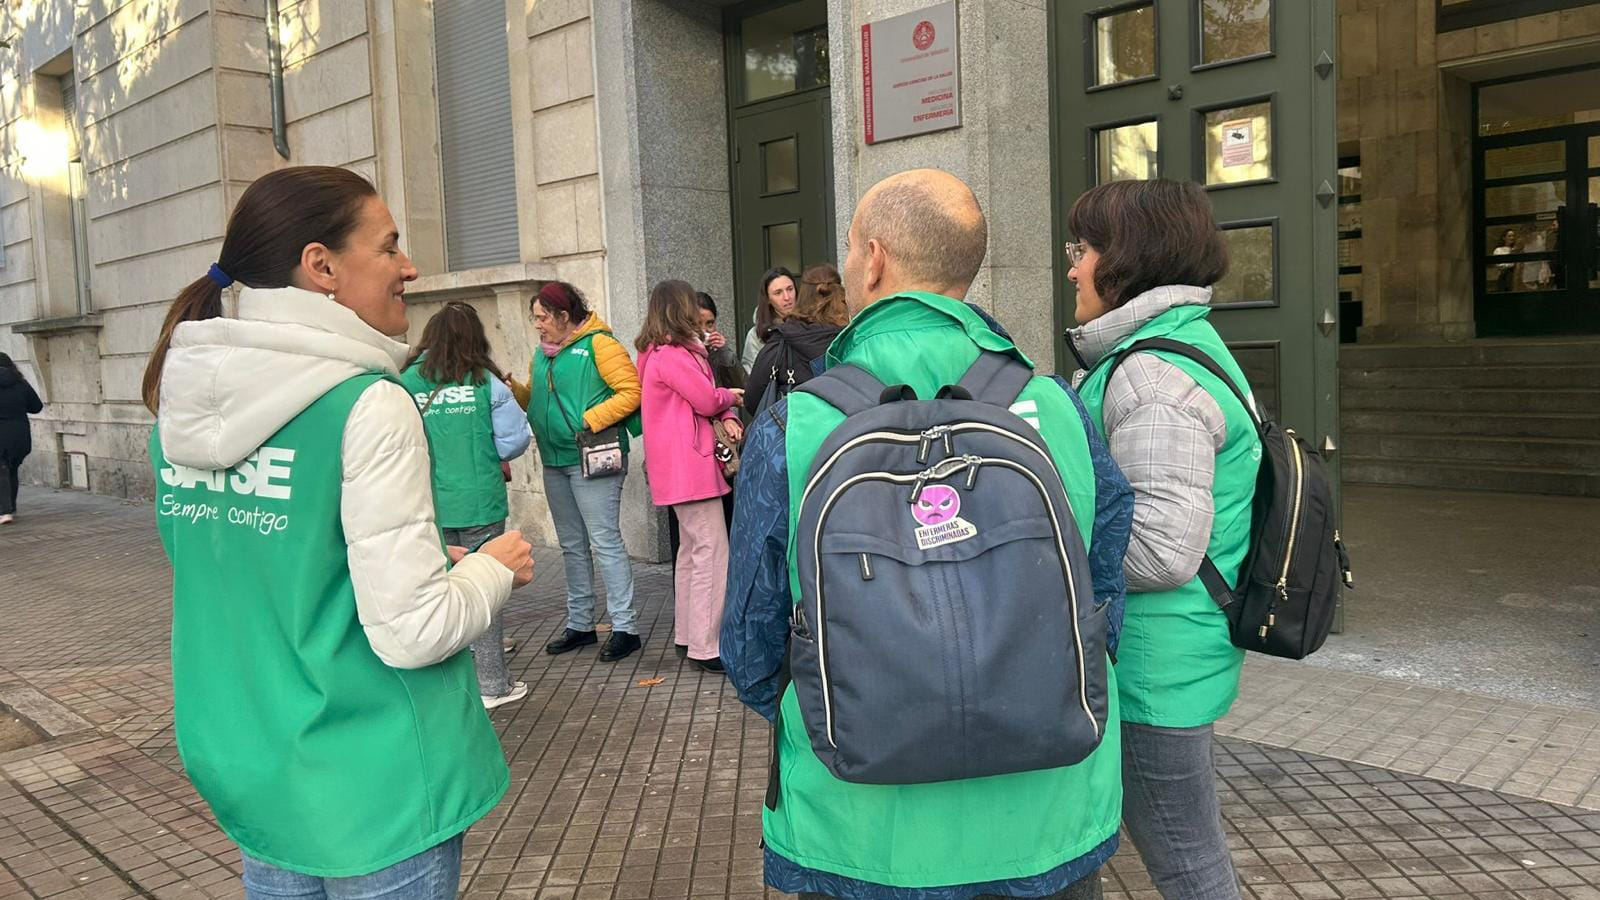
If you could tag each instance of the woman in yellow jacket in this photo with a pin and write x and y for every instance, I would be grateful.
(582, 379)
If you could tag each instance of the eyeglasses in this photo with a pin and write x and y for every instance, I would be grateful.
(1076, 251)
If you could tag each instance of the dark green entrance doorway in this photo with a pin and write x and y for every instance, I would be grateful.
(780, 142)
(1238, 95)
(1536, 177)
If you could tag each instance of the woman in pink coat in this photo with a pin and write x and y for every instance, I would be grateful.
(680, 400)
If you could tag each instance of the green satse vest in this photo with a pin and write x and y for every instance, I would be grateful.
(1176, 666)
(314, 755)
(573, 378)
(468, 487)
(958, 832)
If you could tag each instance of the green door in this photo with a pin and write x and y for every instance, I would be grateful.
(1239, 96)
(781, 143)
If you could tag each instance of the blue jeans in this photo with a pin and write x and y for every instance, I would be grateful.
(488, 651)
(433, 874)
(589, 511)
(1088, 888)
(1170, 808)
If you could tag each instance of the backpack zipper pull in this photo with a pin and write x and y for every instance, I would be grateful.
(1272, 615)
(972, 470)
(1344, 561)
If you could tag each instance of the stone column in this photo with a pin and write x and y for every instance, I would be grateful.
(1002, 149)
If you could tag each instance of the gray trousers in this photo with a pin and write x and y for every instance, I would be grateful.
(1171, 810)
(488, 651)
(1082, 889)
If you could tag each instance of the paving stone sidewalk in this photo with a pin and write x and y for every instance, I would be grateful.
(621, 790)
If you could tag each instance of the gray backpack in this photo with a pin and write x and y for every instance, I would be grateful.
(946, 627)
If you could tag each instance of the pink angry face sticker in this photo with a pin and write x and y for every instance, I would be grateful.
(938, 504)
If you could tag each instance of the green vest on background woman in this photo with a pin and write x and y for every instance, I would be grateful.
(316, 756)
(1176, 667)
(468, 487)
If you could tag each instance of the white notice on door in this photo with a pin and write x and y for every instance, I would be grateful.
(1238, 143)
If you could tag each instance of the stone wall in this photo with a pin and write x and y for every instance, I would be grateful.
(147, 92)
(663, 159)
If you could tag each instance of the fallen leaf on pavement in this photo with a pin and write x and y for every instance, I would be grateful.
(651, 682)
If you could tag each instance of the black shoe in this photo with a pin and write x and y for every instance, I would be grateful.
(619, 645)
(572, 640)
(683, 650)
(714, 664)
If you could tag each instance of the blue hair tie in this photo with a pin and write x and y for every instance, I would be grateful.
(223, 279)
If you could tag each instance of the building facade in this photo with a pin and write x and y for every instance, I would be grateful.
(614, 143)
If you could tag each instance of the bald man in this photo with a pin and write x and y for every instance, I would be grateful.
(915, 245)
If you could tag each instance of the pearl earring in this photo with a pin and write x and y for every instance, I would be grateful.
(330, 295)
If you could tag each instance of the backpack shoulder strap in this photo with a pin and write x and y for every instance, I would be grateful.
(849, 389)
(995, 378)
(1194, 355)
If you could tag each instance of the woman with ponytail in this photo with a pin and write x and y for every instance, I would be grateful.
(326, 708)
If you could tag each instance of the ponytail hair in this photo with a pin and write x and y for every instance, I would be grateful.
(278, 215)
(820, 299)
(202, 299)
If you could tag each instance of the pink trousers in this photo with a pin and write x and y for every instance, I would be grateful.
(702, 577)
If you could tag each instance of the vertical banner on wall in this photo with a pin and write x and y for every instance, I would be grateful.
(911, 73)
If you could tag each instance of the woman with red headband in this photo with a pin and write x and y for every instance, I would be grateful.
(584, 390)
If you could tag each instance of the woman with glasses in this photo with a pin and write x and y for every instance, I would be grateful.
(1146, 256)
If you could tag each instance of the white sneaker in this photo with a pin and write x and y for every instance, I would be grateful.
(519, 689)
(7, 519)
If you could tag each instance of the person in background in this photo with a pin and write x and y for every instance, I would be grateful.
(777, 303)
(325, 711)
(680, 401)
(1147, 253)
(17, 402)
(1510, 243)
(474, 426)
(794, 348)
(583, 380)
(725, 366)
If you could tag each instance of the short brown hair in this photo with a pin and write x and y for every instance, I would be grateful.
(1148, 234)
(673, 316)
(820, 300)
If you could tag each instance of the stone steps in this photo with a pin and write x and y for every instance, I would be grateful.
(1458, 377)
(1506, 424)
(1520, 416)
(1469, 476)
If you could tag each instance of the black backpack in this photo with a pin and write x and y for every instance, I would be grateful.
(789, 370)
(1297, 563)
